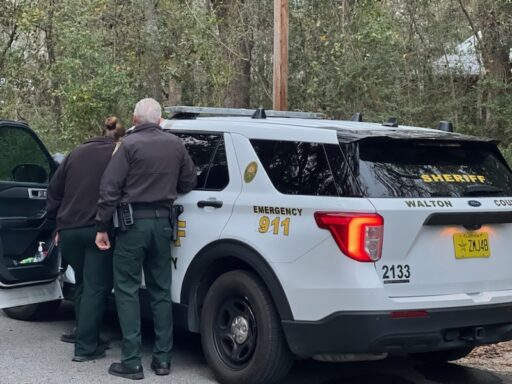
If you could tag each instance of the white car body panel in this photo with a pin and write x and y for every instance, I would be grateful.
(203, 225)
(317, 278)
(30, 295)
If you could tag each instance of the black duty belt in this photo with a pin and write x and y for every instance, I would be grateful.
(150, 213)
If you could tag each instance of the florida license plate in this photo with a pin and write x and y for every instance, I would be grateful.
(471, 245)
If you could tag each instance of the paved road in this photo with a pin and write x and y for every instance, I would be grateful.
(31, 354)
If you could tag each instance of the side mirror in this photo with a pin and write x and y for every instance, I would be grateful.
(29, 173)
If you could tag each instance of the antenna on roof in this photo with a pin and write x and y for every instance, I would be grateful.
(445, 126)
(259, 114)
(392, 122)
(358, 116)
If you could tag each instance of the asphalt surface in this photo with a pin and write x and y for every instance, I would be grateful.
(31, 353)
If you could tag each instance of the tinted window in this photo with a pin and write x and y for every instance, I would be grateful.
(296, 168)
(218, 174)
(343, 175)
(22, 159)
(208, 153)
(423, 169)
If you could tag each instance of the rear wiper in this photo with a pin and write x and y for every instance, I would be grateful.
(481, 190)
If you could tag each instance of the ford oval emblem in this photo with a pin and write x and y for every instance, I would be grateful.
(474, 203)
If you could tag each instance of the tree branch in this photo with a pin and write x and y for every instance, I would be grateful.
(472, 25)
(12, 37)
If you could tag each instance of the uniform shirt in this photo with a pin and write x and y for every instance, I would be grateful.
(74, 189)
(150, 166)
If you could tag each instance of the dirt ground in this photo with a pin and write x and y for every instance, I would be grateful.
(496, 358)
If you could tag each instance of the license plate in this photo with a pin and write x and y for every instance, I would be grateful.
(471, 245)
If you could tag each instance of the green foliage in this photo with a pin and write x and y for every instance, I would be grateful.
(73, 63)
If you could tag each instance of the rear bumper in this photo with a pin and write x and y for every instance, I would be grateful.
(376, 332)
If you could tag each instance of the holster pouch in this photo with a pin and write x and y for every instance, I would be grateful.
(175, 212)
(125, 219)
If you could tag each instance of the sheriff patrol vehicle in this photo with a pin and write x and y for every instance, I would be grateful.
(305, 238)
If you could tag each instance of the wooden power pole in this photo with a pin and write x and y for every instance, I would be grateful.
(281, 55)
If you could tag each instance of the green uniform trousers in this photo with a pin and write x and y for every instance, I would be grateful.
(93, 276)
(147, 244)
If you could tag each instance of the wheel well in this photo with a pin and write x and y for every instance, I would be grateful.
(221, 257)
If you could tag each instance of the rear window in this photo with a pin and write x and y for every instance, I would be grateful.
(427, 169)
(301, 168)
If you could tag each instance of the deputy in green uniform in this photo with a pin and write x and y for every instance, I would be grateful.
(72, 200)
(147, 171)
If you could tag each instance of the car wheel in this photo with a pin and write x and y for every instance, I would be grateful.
(241, 332)
(442, 356)
(33, 311)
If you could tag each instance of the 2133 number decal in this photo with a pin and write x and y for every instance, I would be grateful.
(394, 274)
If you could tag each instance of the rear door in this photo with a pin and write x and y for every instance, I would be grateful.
(209, 206)
(447, 210)
(29, 263)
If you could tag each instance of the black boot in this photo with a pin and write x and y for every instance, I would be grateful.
(161, 369)
(69, 337)
(122, 370)
(98, 354)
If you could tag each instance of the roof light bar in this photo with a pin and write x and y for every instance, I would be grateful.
(179, 111)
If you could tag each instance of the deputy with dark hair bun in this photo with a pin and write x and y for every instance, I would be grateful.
(72, 201)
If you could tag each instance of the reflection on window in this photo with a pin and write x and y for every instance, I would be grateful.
(396, 169)
(296, 168)
(218, 174)
(208, 153)
(21, 154)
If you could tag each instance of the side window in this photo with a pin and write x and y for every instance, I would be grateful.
(341, 170)
(22, 159)
(208, 153)
(297, 168)
(218, 175)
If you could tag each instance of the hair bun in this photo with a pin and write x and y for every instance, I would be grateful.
(111, 123)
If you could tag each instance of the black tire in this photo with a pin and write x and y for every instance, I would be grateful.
(263, 357)
(32, 312)
(443, 356)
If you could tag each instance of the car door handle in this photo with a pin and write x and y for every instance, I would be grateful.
(37, 194)
(209, 203)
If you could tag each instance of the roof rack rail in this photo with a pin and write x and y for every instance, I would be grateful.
(185, 112)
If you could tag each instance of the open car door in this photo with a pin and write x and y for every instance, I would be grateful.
(29, 262)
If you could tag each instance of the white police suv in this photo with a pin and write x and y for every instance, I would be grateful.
(336, 240)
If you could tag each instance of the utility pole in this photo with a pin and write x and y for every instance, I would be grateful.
(281, 55)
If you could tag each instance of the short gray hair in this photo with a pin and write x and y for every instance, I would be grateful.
(148, 111)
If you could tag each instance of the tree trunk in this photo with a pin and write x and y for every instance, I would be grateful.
(50, 48)
(488, 22)
(233, 32)
(495, 51)
(152, 51)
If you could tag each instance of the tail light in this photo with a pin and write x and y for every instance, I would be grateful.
(358, 235)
